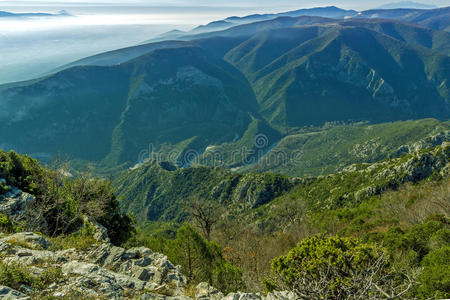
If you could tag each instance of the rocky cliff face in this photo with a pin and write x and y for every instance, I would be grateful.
(152, 192)
(101, 271)
(412, 168)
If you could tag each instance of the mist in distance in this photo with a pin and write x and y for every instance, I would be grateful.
(32, 47)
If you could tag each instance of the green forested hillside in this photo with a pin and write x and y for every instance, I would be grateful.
(436, 19)
(359, 183)
(160, 192)
(329, 150)
(112, 114)
(221, 90)
(399, 204)
(346, 73)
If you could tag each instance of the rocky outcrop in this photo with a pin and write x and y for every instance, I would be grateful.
(351, 71)
(141, 264)
(105, 271)
(102, 271)
(413, 168)
(256, 296)
(15, 203)
(250, 190)
(33, 240)
(428, 142)
(204, 291)
(99, 232)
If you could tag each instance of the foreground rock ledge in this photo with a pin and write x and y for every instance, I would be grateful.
(107, 272)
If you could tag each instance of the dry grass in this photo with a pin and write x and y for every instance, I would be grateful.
(412, 204)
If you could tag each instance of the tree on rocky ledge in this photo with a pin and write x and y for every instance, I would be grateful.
(60, 202)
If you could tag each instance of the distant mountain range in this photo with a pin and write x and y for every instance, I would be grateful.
(407, 4)
(5, 14)
(433, 18)
(326, 12)
(224, 88)
(437, 19)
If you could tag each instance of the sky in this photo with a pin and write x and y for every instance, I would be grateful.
(262, 4)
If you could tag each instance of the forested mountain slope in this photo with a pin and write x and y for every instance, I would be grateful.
(222, 89)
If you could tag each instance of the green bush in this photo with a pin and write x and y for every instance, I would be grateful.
(20, 171)
(419, 239)
(435, 278)
(333, 268)
(425, 246)
(203, 261)
(15, 275)
(418, 236)
(96, 198)
(227, 278)
(6, 225)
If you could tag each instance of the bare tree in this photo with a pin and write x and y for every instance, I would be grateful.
(206, 214)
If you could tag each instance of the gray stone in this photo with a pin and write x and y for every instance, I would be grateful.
(99, 254)
(153, 296)
(137, 253)
(142, 264)
(243, 296)
(142, 273)
(8, 293)
(283, 295)
(101, 280)
(114, 258)
(203, 291)
(22, 253)
(100, 233)
(3, 246)
(14, 203)
(34, 240)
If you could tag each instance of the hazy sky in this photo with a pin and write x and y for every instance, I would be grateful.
(280, 4)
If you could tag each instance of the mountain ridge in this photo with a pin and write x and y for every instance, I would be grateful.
(283, 74)
(435, 18)
(61, 13)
